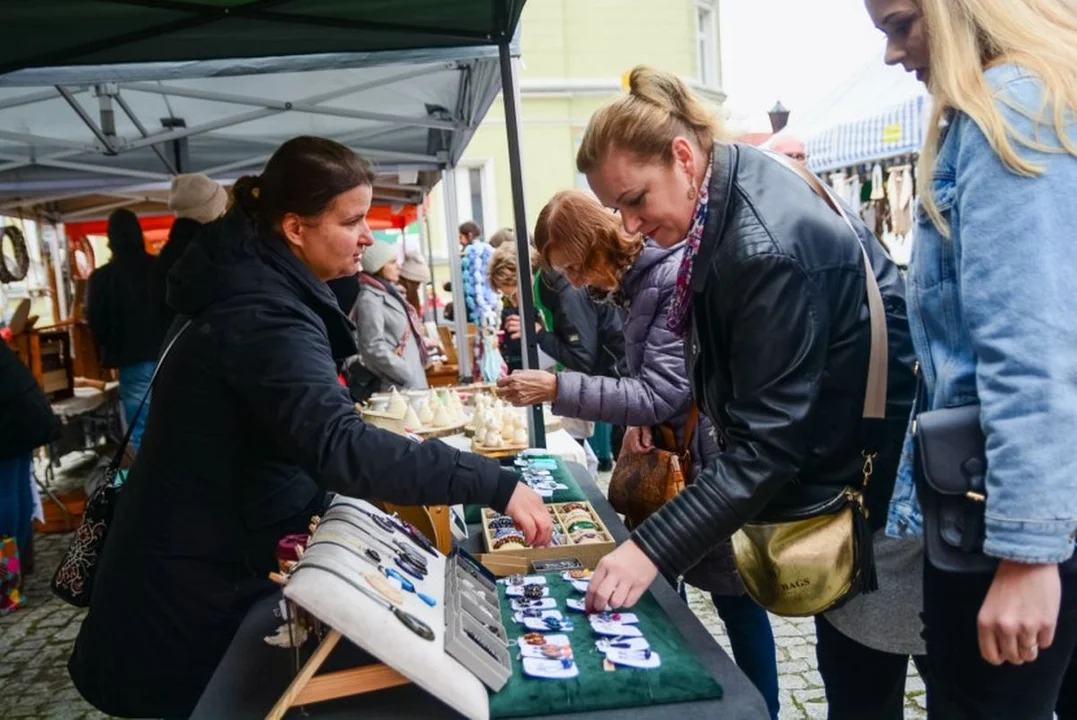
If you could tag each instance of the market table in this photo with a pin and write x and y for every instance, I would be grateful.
(558, 442)
(252, 674)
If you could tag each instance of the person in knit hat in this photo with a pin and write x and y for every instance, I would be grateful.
(195, 200)
(388, 329)
(413, 275)
(197, 197)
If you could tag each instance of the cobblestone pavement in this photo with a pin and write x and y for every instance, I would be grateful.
(36, 641)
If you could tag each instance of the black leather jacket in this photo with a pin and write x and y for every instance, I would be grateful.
(777, 355)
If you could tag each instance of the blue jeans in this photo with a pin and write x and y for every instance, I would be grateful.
(134, 382)
(16, 500)
(752, 640)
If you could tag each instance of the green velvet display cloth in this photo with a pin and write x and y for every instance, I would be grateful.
(680, 678)
(473, 513)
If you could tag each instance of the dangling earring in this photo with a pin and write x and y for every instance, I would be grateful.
(691, 193)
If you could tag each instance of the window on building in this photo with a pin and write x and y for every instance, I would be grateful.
(707, 41)
(475, 196)
(474, 176)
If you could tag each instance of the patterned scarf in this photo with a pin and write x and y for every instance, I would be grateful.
(680, 311)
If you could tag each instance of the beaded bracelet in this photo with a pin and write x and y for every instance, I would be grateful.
(507, 540)
(502, 521)
(512, 544)
(506, 532)
(569, 507)
(535, 638)
(576, 516)
(582, 525)
(533, 592)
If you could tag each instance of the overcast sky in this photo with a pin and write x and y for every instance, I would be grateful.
(795, 51)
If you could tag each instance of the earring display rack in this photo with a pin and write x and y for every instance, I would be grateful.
(438, 625)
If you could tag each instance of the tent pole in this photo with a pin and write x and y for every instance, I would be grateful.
(459, 305)
(427, 243)
(511, 97)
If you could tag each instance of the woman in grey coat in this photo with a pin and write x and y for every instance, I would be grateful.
(587, 243)
(389, 335)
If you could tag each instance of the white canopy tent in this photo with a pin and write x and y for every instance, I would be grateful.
(877, 113)
(79, 142)
(103, 111)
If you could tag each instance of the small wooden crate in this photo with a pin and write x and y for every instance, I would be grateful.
(517, 560)
(58, 521)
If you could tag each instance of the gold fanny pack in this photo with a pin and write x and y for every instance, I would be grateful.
(804, 562)
(809, 561)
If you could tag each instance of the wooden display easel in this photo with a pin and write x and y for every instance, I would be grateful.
(308, 687)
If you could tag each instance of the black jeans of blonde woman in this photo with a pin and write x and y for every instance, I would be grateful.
(963, 686)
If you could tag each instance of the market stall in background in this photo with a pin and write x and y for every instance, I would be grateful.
(864, 140)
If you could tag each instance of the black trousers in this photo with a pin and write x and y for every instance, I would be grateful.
(861, 682)
(961, 684)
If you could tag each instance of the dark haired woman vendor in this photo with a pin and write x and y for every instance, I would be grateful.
(248, 430)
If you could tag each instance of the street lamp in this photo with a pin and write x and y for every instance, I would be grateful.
(779, 117)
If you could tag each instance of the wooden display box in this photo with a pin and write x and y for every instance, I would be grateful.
(56, 519)
(518, 561)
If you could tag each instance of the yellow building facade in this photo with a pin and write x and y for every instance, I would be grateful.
(573, 56)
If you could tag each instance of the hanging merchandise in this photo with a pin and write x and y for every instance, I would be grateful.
(878, 190)
(837, 181)
(83, 260)
(853, 195)
(483, 307)
(14, 263)
(899, 195)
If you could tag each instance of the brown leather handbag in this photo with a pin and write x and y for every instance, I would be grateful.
(644, 482)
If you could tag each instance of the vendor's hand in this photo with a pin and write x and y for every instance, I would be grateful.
(527, 387)
(1020, 612)
(638, 440)
(530, 515)
(512, 326)
(620, 579)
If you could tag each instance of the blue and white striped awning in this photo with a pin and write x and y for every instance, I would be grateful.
(898, 130)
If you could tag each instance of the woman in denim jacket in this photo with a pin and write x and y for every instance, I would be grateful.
(990, 291)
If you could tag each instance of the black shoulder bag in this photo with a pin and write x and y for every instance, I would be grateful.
(951, 471)
(73, 580)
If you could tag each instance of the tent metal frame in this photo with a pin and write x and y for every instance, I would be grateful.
(465, 117)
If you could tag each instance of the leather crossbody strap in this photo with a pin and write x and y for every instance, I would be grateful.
(879, 358)
(690, 428)
(117, 459)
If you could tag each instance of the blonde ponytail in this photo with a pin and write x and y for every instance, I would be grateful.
(658, 108)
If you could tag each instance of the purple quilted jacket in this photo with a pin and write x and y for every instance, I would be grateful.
(657, 389)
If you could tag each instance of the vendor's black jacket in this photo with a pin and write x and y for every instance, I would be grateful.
(248, 429)
(587, 336)
(26, 418)
(778, 355)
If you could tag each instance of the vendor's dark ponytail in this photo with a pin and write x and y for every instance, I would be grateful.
(302, 177)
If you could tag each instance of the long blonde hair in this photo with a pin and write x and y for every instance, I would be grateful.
(658, 108)
(964, 38)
